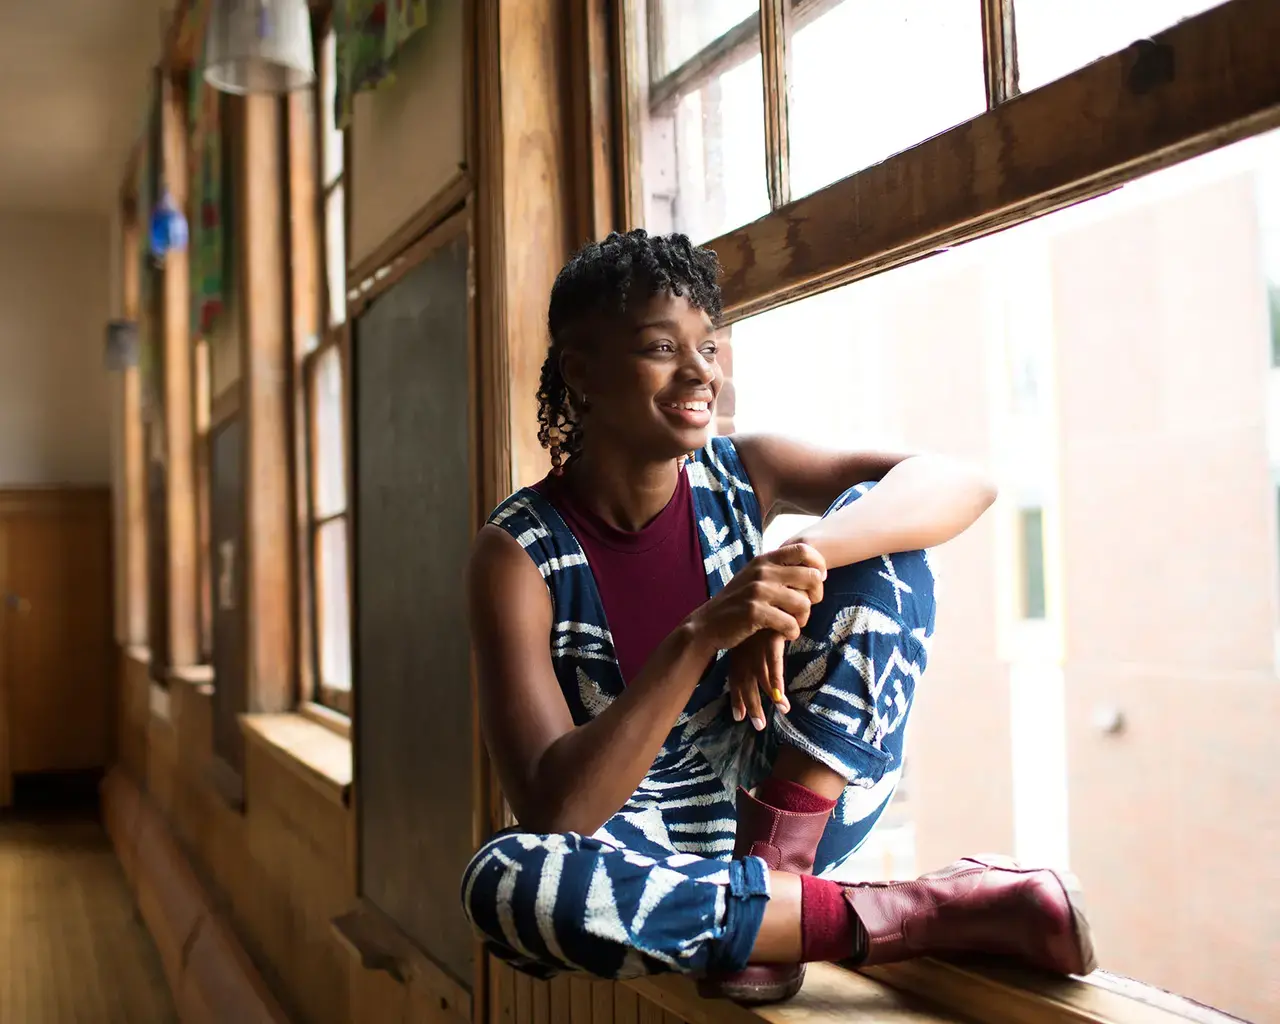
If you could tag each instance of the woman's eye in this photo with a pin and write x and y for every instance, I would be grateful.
(664, 346)
(709, 351)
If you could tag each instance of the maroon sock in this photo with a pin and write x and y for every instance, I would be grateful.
(782, 795)
(829, 927)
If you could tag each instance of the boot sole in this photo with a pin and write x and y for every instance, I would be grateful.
(751, 993)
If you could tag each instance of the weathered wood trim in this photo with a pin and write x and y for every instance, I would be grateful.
(775, 50)
(392, 273)
(435, 210)
(308, 750)
(592, 129)
(134, 475)
(1008, 995)
(737, 45)
(308, 313)
(377, 944)
(630, 100)
(999, 51)
(1206, 82)
(182, 571)
(210, 974)
(268, 408)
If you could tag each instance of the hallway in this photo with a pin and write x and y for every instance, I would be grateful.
(72, 950)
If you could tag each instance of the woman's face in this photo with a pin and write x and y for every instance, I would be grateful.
(650, 379)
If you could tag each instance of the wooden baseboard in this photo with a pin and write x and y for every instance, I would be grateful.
(210, 974)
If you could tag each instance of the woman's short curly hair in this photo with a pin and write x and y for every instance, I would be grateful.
(600, 279)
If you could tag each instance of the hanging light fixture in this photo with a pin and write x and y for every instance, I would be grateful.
(259, 46)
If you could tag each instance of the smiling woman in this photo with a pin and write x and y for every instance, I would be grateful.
(621, 743)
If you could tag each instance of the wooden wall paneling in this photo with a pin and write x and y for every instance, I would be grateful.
(1109, 122)
(581, 1007)
(181, 575)
(626, 1005)
(134, 569)
(558, 989)
(537, 203)
(413, 522)
(267, 408)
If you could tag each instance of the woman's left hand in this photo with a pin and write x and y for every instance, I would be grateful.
(755, 666)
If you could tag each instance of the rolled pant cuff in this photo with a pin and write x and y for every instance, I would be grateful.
(747, 895)
(854, 760)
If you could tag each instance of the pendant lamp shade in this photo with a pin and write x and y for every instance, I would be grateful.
(259, 46)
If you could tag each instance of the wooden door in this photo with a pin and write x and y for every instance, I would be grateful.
(55, 631)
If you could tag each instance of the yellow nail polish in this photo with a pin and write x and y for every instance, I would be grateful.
(777, 695)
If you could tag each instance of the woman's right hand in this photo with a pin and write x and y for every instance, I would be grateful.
(775, 591)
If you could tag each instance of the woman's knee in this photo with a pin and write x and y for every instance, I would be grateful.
(484, 897)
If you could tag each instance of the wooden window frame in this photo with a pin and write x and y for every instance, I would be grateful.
(314, 337)
(1208, 81)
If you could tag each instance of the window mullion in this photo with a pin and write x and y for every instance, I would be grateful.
(775, 48)
(999, 51)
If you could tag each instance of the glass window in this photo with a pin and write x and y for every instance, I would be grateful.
(1123, 586)
(332, 605)
(331, 146)
(1031, 530)
(1056, 38)
(335, 254)
(683, 29)
(328, 416)
(870, 79)
(704, 150)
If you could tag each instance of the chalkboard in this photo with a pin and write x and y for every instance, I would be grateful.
(412, 469)
(226, 529)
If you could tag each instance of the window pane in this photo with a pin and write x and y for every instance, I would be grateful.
(329, 456)
(331, 147)
(1032, 529)
(335, 255)
(1056, 38)
(333, 605)
(1137, 468)
(684, 28)
(704, 162)
(870, 79)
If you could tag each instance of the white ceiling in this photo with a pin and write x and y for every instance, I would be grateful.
(73, 85)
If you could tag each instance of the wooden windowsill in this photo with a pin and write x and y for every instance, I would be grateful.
(932, 991)
(313, 752)
(335, 721)
(1009, 995)
(199, 677)
(831, 995)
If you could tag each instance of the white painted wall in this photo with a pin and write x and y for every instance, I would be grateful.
(54, 393)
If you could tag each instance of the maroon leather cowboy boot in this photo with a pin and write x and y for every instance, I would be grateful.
(785, 841)
(986, 905)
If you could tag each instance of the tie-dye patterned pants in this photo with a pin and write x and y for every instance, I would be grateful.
(656, 889)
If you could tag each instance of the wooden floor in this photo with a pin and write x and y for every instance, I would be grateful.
(72, 950)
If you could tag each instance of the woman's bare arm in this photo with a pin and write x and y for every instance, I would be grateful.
(921, 500)
(559, 778)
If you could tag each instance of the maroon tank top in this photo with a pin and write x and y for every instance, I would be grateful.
(649, 579)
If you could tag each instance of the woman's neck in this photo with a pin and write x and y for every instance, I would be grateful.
(625, 493)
